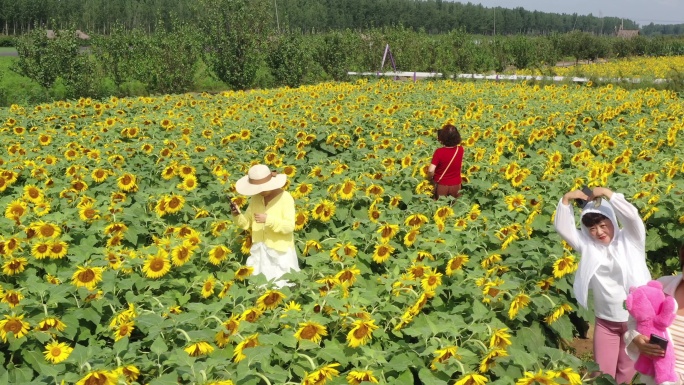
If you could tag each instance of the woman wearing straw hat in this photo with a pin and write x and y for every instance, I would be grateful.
(271, 217)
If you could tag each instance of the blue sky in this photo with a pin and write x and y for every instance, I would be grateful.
(641, 11)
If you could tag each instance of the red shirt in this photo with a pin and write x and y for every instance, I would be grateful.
(441, 159)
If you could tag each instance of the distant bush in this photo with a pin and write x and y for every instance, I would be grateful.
(7, 41)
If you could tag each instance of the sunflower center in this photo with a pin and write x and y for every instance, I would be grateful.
(13, 326)
(42, 248)
(174, 202)
(56, 248)
(89, 213)
(126, 180)
(12, 299)
(308, 332)
(346, 276)
(86, 276)
(47, 231)
(14, 265)
(55, 351)
(271, 299)
(157, 264)
(361, 332)
(219, 253)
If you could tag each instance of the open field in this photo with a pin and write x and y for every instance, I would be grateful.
(118, 242)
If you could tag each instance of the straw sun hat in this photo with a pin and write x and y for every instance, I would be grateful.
(258, 179)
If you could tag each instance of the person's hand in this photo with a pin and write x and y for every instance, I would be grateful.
(646, 348)
(601, 192)
(234, 209)
(260, 218)
(574, 194)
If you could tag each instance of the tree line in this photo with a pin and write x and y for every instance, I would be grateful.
(309, 16)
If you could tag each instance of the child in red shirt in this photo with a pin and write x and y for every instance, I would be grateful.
(445, 168)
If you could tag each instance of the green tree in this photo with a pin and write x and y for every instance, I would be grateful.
(288, 59)
(46, 59)
(234, 33)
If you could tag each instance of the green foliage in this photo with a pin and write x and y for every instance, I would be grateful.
(7, 41)
(234, 32)
(332, 54)
(44, 60)
(288, 59)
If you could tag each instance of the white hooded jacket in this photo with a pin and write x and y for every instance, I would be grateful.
(628, 246)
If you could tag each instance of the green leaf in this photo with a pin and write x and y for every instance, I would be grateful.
(430, 378)
(159, 347)
(165, 379)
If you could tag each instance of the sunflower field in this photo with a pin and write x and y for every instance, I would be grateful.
(121, 263)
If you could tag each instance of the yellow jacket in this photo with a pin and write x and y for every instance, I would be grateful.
(276, 233)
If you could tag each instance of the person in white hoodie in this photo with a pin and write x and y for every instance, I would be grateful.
(637, 343)
(612, 259)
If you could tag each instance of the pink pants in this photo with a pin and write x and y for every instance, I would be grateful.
(609, 350)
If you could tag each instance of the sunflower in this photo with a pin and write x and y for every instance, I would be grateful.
(15, 210)
(356, 377)
(301, 219)
(443, 213)
(564, 266)
(488, 361)
(387, 231)
(515, 202)
(570, 376)
(51, 323)
(14, 324)
(473, 379)
(189, 183)
(123, 329)
(14, 266)
(431, 281)
(548, 378)
(88, 213)
(181, 254)
(218, 254)
(156, 266)
(87, 277)
(99, 175)
(199, 349)
(46, 230)
(208, 287)
(382, 253)
(100, 377)
(411, 237)
(557, 313)
(347, 189)
(323, 211)
(243, 272)
(441, 355)
(416, 220)
(321, 375)
(500, 338)
(127, 182)
(246, 243)
(174, 204)
(249, 342)
(33, 194)
(361, 333)
(312, 331)
(56, 352)
(347, 277)
(130, 372)
(57, 249)
(270, 300)
(311, 245)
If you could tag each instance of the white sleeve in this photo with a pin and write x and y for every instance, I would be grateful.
(564, 223)
(629, 218)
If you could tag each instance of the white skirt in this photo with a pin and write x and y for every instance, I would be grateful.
(272, 263)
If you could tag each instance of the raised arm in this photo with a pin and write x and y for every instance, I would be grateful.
(627, 215)
(564, 221)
